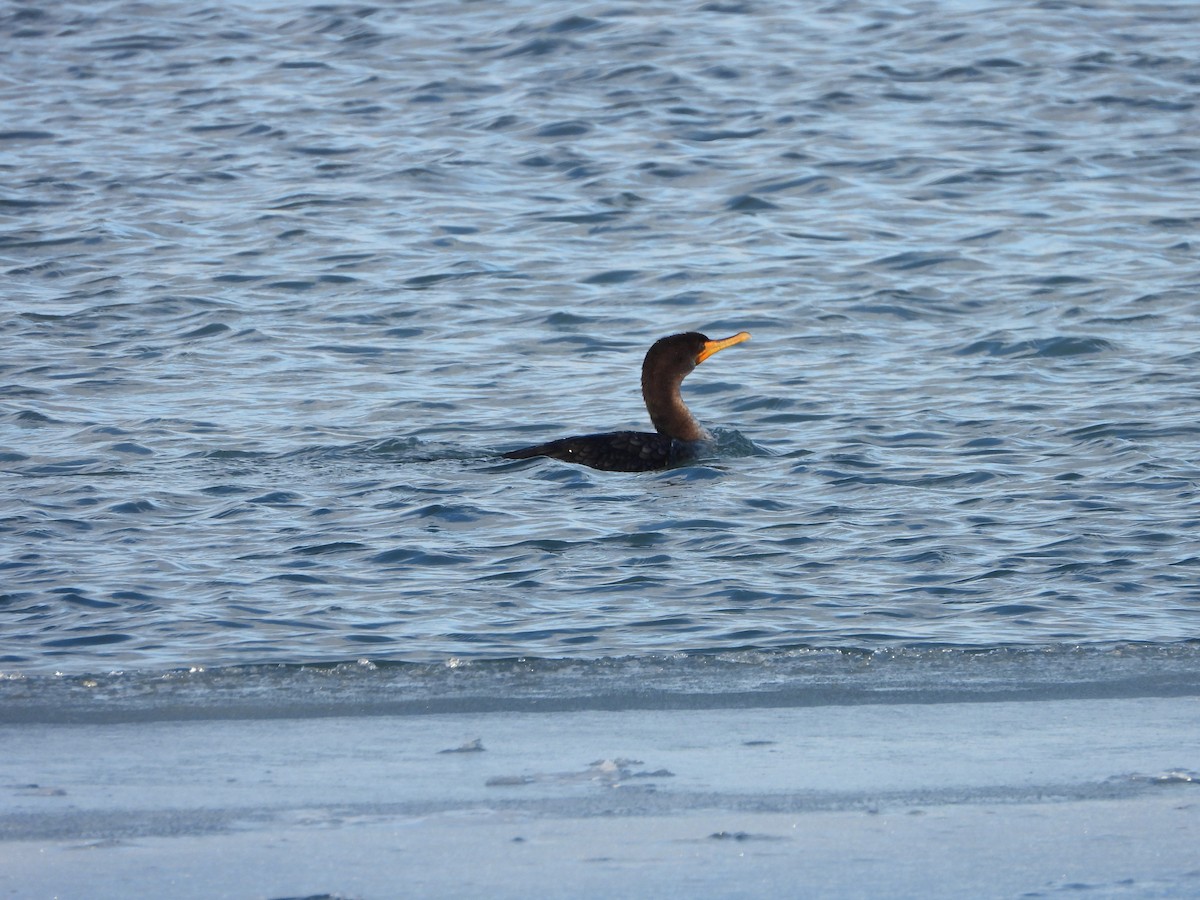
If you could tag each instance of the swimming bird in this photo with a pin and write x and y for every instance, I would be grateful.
(677, 438)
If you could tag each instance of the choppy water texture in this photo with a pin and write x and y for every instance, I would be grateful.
(281, 281)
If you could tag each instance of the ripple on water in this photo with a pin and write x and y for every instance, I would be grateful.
(259, 365)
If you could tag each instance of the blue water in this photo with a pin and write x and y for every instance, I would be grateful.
(281, 282)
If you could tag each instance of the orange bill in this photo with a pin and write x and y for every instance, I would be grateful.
(711, 347)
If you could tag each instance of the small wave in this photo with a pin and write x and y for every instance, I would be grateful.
(748, 203)
(91, 640)
(614, 276)
(404, 556)
(329, 548)
(913, 259)
(27, 135)
(1044, 348)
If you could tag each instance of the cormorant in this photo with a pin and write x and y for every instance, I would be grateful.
(678, 436)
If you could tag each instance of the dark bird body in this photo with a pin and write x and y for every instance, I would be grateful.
(678, 436)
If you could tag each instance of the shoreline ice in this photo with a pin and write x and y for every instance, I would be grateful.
(937, 799)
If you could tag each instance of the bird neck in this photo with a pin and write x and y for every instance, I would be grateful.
(667, 410)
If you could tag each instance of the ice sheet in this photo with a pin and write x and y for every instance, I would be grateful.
(950, 799)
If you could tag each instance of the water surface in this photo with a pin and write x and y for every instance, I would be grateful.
(281, 282)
